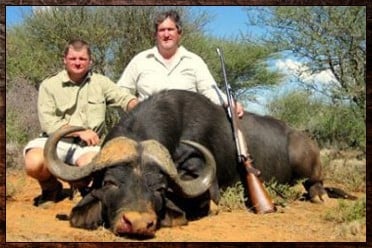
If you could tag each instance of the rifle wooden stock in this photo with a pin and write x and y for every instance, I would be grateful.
(258, 196)
(260, 199)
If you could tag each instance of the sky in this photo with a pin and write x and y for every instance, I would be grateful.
(228, 20)
(14, 14)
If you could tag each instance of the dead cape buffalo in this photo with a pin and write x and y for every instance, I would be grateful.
(167, 158)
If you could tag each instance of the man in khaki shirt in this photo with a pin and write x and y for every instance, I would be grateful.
(77, 97)
(170, 66)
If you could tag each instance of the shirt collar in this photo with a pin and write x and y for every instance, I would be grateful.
(180, 54)
(67, 82)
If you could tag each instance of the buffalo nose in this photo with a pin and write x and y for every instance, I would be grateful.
(137, 223)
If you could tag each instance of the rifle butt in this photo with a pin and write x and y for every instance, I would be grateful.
(259, 197)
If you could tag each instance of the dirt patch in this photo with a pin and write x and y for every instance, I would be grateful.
(300, 221)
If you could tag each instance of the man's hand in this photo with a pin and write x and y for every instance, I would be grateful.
(239, 109)
(131, 104)
(89, 137)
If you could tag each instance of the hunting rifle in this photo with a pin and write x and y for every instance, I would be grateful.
(258, 196)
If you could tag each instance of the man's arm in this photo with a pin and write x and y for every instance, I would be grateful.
(117, 96)
(46, 107)
(128, 78)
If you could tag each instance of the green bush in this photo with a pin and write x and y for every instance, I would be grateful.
(14, 132)
(16, 136)
(339, 126)
(232, 198)
(347, 211)
(284, 193)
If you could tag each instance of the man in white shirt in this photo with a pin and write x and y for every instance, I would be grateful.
(170, 66)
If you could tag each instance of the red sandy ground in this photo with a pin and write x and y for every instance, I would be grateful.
(300, 221)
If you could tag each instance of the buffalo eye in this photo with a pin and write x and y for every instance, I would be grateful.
(109, 183)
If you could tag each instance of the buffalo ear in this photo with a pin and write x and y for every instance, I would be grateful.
(87, 213)
(174, 216)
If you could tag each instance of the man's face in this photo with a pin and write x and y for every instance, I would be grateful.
(167, 35)
(77, 63)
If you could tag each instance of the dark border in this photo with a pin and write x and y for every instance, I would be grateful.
(5, 3)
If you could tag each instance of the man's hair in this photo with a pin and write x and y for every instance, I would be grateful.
(171, 14)
(77, 44)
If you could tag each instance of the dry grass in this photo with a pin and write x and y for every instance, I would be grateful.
(345, 168)
(342, 169)
(13, 187)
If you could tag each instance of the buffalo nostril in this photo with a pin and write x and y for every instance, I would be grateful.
(126, 224)
(150, 224)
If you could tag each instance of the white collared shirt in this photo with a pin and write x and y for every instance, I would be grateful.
(148, 73)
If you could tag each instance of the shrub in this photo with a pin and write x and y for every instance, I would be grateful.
(21, 111)
(346, 169)
(232, 198)
(284, 193)
(333, 125)
(349, 216)
(22, 123)
(14, 157)
(348, 211)
(14, 132)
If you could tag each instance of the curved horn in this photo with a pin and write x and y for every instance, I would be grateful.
(117, 150)
(154, 151)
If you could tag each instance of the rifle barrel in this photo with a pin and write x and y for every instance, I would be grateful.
(259, 197)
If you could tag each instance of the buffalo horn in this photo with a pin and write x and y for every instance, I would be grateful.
(117, 150)
(156, 152)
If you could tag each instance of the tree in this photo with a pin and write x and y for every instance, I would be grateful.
(246, 67)
(326, 38)
(35, 47)
(116, 34)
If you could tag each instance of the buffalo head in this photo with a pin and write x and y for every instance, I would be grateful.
(131, 179)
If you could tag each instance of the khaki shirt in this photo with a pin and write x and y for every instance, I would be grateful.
(61, 101)
(147, 73)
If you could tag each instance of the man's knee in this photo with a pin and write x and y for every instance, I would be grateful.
(34, 164)
(85, 158)
(34, 159)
